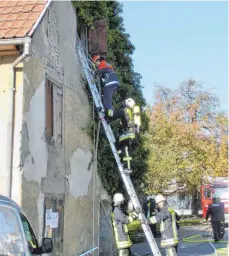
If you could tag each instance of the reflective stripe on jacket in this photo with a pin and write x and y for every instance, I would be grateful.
(119, 222)
(167, 218)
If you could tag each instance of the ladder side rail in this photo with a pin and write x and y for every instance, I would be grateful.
(89, 78)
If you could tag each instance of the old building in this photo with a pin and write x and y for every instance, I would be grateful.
(46, 160)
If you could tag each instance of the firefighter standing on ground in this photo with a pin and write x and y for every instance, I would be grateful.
(120, 219)
(168, 225)
(215, 211)
(109, 80)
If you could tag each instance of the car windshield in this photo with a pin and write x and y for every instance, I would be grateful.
(11, 238)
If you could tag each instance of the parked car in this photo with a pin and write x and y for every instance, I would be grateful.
(17, 237)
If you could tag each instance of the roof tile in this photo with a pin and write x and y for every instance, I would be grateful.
(11, 16)
(18, 16)
(2, 9)
(11, 3)
(9, 33)
(23, 16)
(28, 8)
(38, 8)
(18, 9)
(28, 24)
(3, 3)
(3, 17)
(7, 10)
(6, 25)
(33, 16)
(21, 32)
(18, 23)
(21, 3)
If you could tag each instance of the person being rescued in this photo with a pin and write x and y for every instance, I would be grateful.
(109, 80)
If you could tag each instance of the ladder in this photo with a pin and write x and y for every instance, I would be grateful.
(125, 177)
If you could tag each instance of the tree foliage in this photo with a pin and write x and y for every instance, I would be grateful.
(119, 54)
(187, 138)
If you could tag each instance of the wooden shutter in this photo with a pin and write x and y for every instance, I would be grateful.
(98, 38)
(57, 113)
(49, 108)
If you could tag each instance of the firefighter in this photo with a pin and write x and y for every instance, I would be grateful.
(109, 80)
(222, 218)
(120, 219)
(215, 211)
(149, 209)
(168, 225)
(130, 119)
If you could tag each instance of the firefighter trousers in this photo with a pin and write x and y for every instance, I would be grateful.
(171, 251)
(216, 228)
(124, 252)
(108, 92)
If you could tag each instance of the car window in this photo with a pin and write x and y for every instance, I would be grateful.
(29, 234)
(11, 238)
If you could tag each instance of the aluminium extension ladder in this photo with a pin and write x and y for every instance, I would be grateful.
(125, 177)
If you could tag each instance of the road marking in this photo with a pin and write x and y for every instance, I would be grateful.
(215, 251)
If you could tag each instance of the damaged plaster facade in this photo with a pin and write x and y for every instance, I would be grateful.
(59, 169)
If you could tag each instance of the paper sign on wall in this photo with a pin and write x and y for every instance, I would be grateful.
(54, 219)
(48, 217)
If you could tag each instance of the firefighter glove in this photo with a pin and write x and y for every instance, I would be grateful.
(142, 218)
(134, 215)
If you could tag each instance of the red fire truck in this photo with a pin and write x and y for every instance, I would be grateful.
(218, 187)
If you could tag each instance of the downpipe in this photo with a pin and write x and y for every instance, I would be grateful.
(10, 126)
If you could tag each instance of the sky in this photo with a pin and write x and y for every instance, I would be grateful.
(176, 41)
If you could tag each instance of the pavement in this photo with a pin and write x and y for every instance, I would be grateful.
(188, 248)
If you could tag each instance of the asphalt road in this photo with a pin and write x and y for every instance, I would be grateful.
(188, 248)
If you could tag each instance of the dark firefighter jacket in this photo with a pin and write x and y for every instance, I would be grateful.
(215, 210)
(119, 222)
(168, 225)
(107, 74)
(149, 208)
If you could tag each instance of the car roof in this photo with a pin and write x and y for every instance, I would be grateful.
(8, 201)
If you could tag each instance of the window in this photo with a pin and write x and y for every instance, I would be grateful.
(207, 193)
(11, 239)
(221, 192)
(181, 196)
(54, 104)
(54, 222)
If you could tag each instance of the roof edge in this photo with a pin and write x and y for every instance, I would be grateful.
(39, 19)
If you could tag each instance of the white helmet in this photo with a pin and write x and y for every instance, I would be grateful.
(159, 198)
(130, 103)
(148, 197)
(118, 197)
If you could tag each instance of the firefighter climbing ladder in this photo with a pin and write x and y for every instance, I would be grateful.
(125, 177)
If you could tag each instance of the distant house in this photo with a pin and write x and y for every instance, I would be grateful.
(46, 160)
